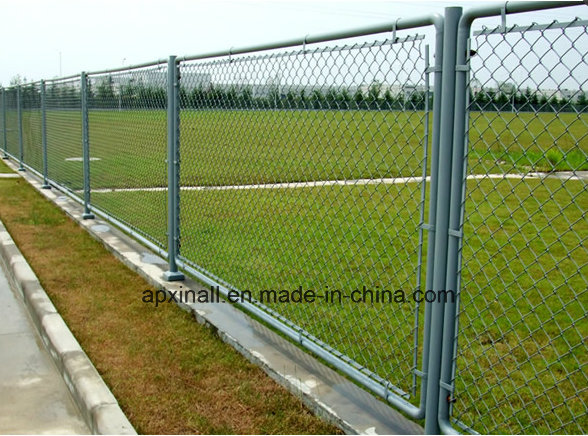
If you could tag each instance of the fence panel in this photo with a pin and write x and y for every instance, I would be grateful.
(127, 127)
(64, 133)
(521, 355)
(31, 120)
(303, 169)
(11, 122)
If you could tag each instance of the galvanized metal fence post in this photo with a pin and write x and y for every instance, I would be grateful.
(452, 15)
(173, 169)
(44, 136)
(459, 175)
(430, 226)
(5, 154)
(20, 138)
(86, 147)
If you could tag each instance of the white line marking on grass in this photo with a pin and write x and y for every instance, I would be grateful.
(564, 175)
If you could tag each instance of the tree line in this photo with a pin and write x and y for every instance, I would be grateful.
(105, 94)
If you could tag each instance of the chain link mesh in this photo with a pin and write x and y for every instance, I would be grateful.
(64, 133)
(31, 122)
(12, 122)
(290, 178)
(3, 122)
(521, 359)
(306, 169)
(128, 143)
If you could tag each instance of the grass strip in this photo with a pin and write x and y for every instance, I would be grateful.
(3, 167)
(170, 375)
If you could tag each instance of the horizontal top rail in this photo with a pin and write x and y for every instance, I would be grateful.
(470, 15)
(38, 82)
(318, 50)
(514, 29)
(59, 79)
(400, 24)
(130, 67)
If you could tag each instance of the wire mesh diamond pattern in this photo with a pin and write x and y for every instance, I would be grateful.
(128, 137)
(521, 362)
(288, 166)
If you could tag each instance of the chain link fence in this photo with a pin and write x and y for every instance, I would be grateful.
(64, 133)
(521, 356)
(11, 114)
(345, 164)
(31, 122)
(290, 164)
(128, 137)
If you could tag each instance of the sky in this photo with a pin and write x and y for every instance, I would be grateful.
(48, 39)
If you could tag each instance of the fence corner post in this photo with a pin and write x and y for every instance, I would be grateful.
(46, 184)
(86, 147)
(20, 138)
(173, 170)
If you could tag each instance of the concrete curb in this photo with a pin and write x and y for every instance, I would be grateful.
(99, 408)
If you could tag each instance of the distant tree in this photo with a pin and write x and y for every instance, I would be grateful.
(246, 97)
(417, 100)
(389, 99)
(105, 92)
(291, 100)
(273, 97)
(358, 99)
(301, 100)
(317, 99)
(553, 101)
(374, 92)
(17, 80)
(197, 98)
(344, 99)
(332, 99)
(501, 99)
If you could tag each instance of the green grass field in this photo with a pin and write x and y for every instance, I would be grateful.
(522, 290)
(523, 321)
(244, 147)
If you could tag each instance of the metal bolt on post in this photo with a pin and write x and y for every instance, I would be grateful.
(44, 136)
(20, 139)
(173, 169)
(86, 148)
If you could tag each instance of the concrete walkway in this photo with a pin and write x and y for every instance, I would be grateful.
(34, 398)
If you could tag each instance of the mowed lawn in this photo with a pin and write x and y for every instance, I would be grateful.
(245, 147)
(523, 282)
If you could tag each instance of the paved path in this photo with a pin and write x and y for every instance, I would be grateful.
(33, 396)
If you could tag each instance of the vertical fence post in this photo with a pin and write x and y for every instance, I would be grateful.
(20, 139)
(86, 147)
(44, 136)
(430, 226)
(4, 137)
(458, 186)
(173, 169)
(452, 15)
